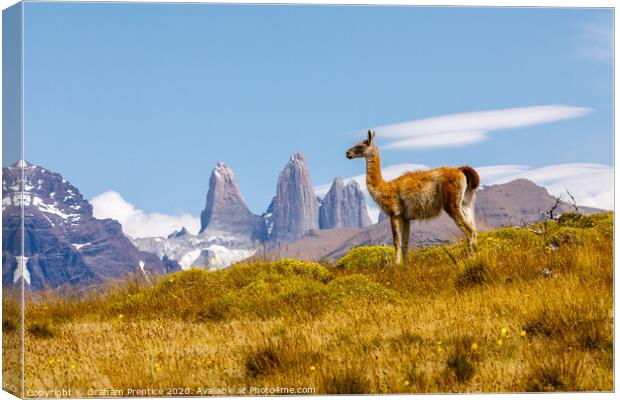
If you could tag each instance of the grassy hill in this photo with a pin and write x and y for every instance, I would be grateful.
(531, 311)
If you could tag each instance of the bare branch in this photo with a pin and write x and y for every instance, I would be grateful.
(573, 202)
(551, 212)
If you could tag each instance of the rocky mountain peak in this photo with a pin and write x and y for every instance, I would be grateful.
(352, 184)
(63, 242)
(180, 233)
(222, 170)
(297, 158)
(225, 209)
(295, 208)
(344, 206)
(45, 190)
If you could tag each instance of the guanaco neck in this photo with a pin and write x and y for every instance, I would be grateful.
(374, 180)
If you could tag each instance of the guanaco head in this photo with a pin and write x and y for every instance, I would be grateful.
(363, 148)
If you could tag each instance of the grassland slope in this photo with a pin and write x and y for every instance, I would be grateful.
(531, 311)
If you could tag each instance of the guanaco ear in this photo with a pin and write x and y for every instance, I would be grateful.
(371, 136)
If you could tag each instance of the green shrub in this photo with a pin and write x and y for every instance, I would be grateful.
(447, 255)
(575, 229)
(365, 257)
(281, 295)
(311, 270)
(576, 220)
(506, 239)
(563, 236)
(604, 224)
(359, 286)
(261, 289)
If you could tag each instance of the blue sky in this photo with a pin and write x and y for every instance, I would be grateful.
(144, 99)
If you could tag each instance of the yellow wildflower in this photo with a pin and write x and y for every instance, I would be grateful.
(504, 330)
(73, 366)
(406, 383)
(121, 316)
(474, 346)
(312, 368)
(523, 333)
(500, 342)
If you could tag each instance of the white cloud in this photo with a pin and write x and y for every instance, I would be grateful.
(499, 173)
(594, 40)
(451, 139)
(135, 222)
(473, 127)
(590, 184)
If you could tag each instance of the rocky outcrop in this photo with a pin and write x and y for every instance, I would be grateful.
(225, 210)
(63, 242)
(177, 234)
(229, 231)
(295, 207)
(344, 206)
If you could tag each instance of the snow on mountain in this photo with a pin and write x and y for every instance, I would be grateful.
(63, 242)
(210, 250)
(222, 257)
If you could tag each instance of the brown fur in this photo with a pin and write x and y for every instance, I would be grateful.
(473, 179)
(419, 195)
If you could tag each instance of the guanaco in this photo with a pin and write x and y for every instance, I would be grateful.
(419, 195)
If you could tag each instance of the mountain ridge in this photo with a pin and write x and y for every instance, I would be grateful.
(63, 242)
(66, 244)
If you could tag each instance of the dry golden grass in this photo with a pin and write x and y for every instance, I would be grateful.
(530, 312)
